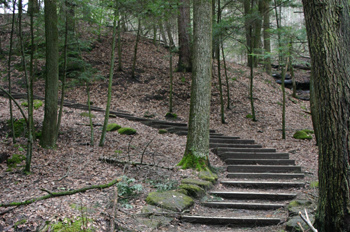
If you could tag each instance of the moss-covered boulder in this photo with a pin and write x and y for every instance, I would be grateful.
(192, 190)
(126, 131)
(202, 183)
(113, 127)
(296, 206)
(209, 176)
(171, 115)
(303, 134)
(171, 200)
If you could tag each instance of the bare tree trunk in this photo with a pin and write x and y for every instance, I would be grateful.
(327, 25)
(135, 48)
(267, 35)
(184, 30)
(197, 146)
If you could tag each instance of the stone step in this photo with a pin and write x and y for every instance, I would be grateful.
(220, 150)
(137, 119)
(231, 141)
(234, 221)
(223, 137)
(243, 205)
(262, 184)
(253, 195)
(181, 133)
(172, 124)
(176, 129)
(261, 161)
(251, 155)
(264, 168)
(244, 175)
(215, 145)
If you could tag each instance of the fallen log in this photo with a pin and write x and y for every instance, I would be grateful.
(59, 194)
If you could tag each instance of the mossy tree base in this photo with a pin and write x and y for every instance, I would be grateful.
(195, 162)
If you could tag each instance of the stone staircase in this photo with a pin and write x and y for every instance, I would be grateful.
(259, 183)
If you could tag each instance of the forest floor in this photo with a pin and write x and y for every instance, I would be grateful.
(75, 163)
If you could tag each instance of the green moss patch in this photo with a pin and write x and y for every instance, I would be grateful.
(126, 131)
(69, 225)
(36, 104)
(20, 127)
(202, 183)
(208, 175)
(303, 134)
(14, 160)
(171, 200)
(171, 115)
(314, 184)
(86, 114)
(193, 190)
(113, 127)
(162, 131)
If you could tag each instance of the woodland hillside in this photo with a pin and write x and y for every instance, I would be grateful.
(75, 163)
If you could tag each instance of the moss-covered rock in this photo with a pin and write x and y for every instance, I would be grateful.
(113, 127)
(192, 190)
(202, 183)
(303, 134)
(126, 131)
(171, 200)
(296, 206)
(86, 114)
(162, 131)
(207, 175)
(292, 223)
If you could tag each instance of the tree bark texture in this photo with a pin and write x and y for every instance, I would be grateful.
(184, 30)
(51, 82)
(197, 147)
(328, 30)
(266, 34)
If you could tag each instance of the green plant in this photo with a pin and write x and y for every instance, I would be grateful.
(127, 190)
(183, 80)
(20, 222)
(20, 126)
(314, 184)
(162, 131)
(249, 116)
(163, 185)
(279, 103)
(36, 103)
(14, 160)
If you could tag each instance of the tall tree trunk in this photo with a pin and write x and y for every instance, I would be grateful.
(222, 108)
(135, 48)
(226, 76)
(197, 146)
(184, 30)
(267, 35)
(251, 89)
(162, 33)
(171, 82)
(49, 131)
(327, 24)
(120, 66)
(111, 72)
(9, 72)
(170, 36)
(247, 26)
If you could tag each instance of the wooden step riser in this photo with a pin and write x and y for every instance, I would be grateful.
(281, 176)
(183, 133)
(228, 155)
(265, 185)
(224, 137)
(221, 150)
(231, 141)
(260, 161)
(254, 196)
(251, 206)
(251, 222)
(211, 145)
(181, 129)
(263, 168)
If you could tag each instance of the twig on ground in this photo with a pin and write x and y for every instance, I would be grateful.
(144, 150)
(307, 220)
(70, 165)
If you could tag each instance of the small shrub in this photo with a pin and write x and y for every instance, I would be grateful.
(249, 116)
(127, 190)
(126, 131)
(36, 104)
(113, 127)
